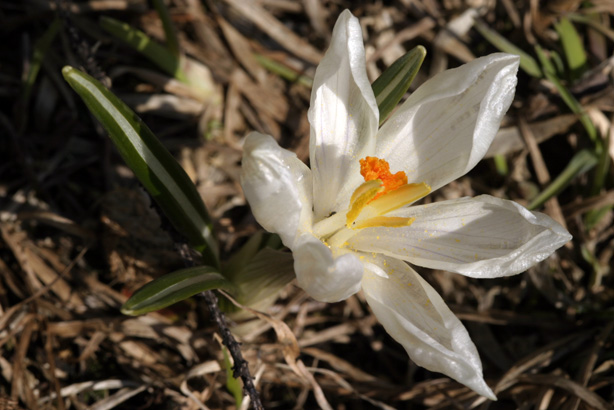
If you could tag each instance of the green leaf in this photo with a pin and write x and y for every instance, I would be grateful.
(548, 66)
(259, 271)
(390, 87)
(153, 165)
(579, 164)
(283, 71)
(593, 217)
(184, 69)
(158, 54)
(592, 22)
(243, 257)
(573, 47)
(232, 384)
(527, 63)
(599, 155)
(568, 98)
(169, 31)
(501, 164)
(40, 50)
(263, 277)
(175, 287)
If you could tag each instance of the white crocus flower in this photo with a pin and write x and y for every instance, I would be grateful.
(348, 219)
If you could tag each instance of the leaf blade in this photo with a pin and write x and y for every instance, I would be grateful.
(175, 287)
(156, 53)
(527, 63)
(153, 165)
(394, 82)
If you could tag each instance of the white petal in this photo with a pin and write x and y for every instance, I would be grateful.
(343, 117)
(324, 276)
(446, 126)
(481, 237)
(415, 316)
(277, 186)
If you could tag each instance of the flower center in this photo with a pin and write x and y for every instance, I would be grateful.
(382, 192)
(373, 168)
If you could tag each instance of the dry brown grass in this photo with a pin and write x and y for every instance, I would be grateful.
(78, 234)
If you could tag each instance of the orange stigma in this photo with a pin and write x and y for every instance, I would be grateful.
(374, 168)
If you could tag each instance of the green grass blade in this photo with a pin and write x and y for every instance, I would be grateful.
(167, 24)
(527, 63)
(153, 165)
(175, 287)
(573, 47)
(593, 23)
(600, 154)
(548, 66)
(232, 384)
(40, 49)
(593, 217)
(558, 63)
(501, 164)
(283, 71)
(602, 168)
(579, 164)
(158, 54)
(569, 99)
(390, 87)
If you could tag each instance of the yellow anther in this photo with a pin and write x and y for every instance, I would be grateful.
(381, 193)
(361, 197)
(402, 196)
(385, 222)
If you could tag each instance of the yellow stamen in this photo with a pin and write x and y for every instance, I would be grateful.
(386, 222)
(381, 193)
(404, 195)
(361, 197)
(366, 187)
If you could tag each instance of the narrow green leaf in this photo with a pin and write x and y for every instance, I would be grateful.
(175, 287)
(263, 277)
(545, 60)
(501, 164)
(593, 217)
(40, 50)
(390, 87)
(167, 24)
(573, 47)
(558, 63)
(599, 151)
(593, 23)
(568, 98)
(527, 63)
(232, 384)
(579, 164)
(184, 69)
(153, 165)
(603, 166)
(283, 71)
(577, 108)
(597, 271)
(243, 257)
(158, 54)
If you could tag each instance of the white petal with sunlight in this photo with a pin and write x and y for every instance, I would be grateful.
(446, 126)
(343, 117)
(323, 275)
(415, 316)
(277, 186)
(481, 237)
